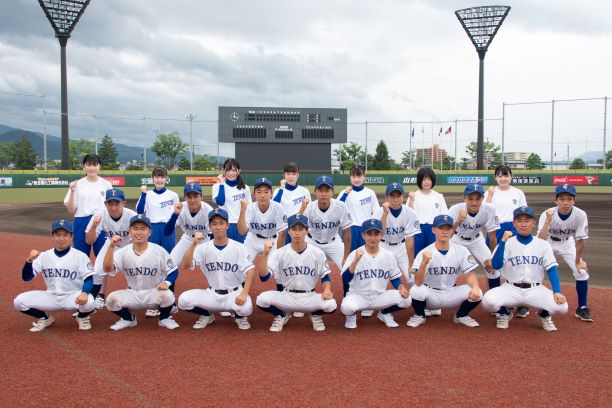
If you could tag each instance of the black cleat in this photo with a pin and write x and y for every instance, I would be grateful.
(522, 312)
(584, 314)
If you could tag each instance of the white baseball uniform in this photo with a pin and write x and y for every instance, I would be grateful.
(190, 224)
(225, 268)
(298, 272)
(158, 206)
(563, 234)
(438, 290)
(397, 230)
(143, 273)
(263, 226)
(323, 228)
(291, 198)
(360, 204)
(368, 286)
(524, 264)
(63, 277)
(232, 199)
(506, 201)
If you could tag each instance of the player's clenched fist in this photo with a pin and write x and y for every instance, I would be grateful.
(96, 220)
(488, 265)
(162, 285)
(559, 298)
(241, 299)
(221, 179)
(143, 188)
(474, 294)
(491, 190)
(385, 207)
(178, 207)
(462, 215)
(426, 257)
(348, 189)
(549, 215)
(81, 299)
(507, 235)
(358, 254)
(305, 203)
(404, 292)
(327, 294)
(283, 182)
(115, 240)
(198, 237)
(33, 255)
(267, 247)
(243, 205)
(411, 195)
(73, 185)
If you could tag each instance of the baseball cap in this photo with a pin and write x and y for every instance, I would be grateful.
(261, 182)
(442, 219)
(565, 188)
(62, 224)
(140, 218)
(324, 181)
(373, 224)
(473, 188)
(391, 187)
(297, 219)
(192, 187)
(524, 211)
(114, 194)
(218, 212)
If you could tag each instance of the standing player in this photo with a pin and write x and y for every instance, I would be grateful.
(85, 197)
(68, 276)
(227, 194)
(262, 220)
(326, 215)
(566, 228)
(225, 265)
(437, 268)
(114, 220)
(291, 195)
(368, 271)
(149, 272)
(297, 267)
(523, 260)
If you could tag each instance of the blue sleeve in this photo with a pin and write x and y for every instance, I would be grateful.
(498, 257)
(265, 278)
(140, 207)
(326, 278)
(343, 196)
(27, 273)
(171, 224)
(396, 282)
(220, 198)
(172, 277)
(553, 277)
(87, 284)
(279, 195)
(347, 276)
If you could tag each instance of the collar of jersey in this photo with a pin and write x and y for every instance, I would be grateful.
(524, 239)
(61, 253)
(564, 216)
(220, 247)
(355, 188)
(395, 213)
(289, 187)
(231, 183)
(162, 191)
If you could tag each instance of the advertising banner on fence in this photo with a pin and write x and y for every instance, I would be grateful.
(47, 182)
(148, 181)
(526, 180)
(6, 182)
(116, 181)
(203, 180)
(409, 180)
(581, 180)
(467, 179)
(375, 180)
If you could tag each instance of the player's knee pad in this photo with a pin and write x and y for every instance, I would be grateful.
(418, 292)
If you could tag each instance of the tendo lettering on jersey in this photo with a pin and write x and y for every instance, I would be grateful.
(372, 274)
(526, 260)
(299, 270)
(221, 266)
(59, 273)
(141, 270)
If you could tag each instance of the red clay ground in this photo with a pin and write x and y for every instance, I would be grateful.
(438, 364)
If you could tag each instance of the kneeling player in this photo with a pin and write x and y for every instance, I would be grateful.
(149, 272)
(437, 268)
(225, 264)
(296, 267)
(367, 272)
(68, 275)
(523, 260)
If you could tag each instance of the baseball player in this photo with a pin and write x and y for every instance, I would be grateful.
(262, 220)
(67, 273)
(224, 262)
(367, 271)
(326, 215)
(291, 195)
(566, 228)
(149, 272)
(227, 194)
(114, 220)
(523, 260)
(437, 268)
(84, 198)
(297, 267)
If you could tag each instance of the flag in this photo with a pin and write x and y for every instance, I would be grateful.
(449, 130)
(440, 132)
(412, 133)
(423, 130)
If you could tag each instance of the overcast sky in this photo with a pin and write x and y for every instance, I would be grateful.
(386, 60)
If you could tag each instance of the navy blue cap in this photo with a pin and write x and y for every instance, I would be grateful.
(442, 219)
(524, 211)
(114, 194)
(324, 181)
(297, 219)
(373, 224)
(391, 187)
(140, 218)
(218, 212)
(262, 182)
(62, 224)
(565, 188)
(192, 187)
(473, 188)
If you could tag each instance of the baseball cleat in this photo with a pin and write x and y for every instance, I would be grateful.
(415, 321)
(367, 313)
(152, 313)
(584, 314)
(279, 322)
(503, 321)
(317, 322)
(203, 321)
(351, 322)
(99, 302)
(168, 323)
(387, 319)
(547, 323)
(124, 324)
(522, 312)
(433, 312)
(42, 323)
(84, 323)
(466, 321)
(243, 323)
(298, 314)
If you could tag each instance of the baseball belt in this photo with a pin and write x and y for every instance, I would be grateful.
(299, 291)
(262, 237)
(524, 285)
(224, 291)
(394, 243)
(468, 239)
(559, 239)
(321, 243)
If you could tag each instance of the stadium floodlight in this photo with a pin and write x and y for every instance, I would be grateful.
(63, 16)
(481, 24)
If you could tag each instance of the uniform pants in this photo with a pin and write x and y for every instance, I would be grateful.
(448, 298)
(567, 251)
(508, 295)
(254, 245)
(181, 247)
(334, 250)
(209, 300)
(354, 302)
(479, 250)
(296, 302)
(139, 299)
(400, 253)
(49, 302)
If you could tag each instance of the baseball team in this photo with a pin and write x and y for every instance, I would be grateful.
(410, 251)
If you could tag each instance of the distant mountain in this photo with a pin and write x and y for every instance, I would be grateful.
(4, 128)
(591, 157)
